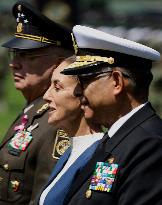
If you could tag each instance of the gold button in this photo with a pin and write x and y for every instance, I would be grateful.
(88, 194)
(111, 60)
(15, 185)
(111, 160)
(6, 167)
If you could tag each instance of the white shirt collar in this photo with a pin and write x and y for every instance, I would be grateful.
(82, 142)
(28, 108)
(114, 128)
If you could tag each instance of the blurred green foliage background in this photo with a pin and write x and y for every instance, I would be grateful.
(139, 20)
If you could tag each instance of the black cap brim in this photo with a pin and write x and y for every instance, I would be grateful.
(20, 43)
(90, 69)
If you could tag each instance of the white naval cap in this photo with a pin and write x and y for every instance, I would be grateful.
(94, 47)
(87, 37)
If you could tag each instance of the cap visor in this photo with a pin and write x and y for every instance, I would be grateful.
(20, 43)
(87, 69)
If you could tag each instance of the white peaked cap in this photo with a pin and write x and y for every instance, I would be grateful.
(89, 38)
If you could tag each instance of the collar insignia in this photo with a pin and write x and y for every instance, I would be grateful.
(43, 108)
(62, 143)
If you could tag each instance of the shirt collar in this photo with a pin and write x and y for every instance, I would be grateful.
(114, 128)
(29, 106)
(83, 142)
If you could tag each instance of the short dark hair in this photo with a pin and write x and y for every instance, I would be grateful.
(140, 79)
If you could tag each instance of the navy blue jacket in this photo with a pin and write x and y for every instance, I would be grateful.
(137, 149)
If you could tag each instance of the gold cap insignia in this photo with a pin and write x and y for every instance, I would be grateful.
(74, 44)
(19, 7)
(19, 27)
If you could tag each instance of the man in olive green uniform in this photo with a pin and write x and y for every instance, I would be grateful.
(31, 147)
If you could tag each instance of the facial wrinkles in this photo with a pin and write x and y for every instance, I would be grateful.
(36, 76)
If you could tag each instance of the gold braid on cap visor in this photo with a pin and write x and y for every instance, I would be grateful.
(37, 38)
(87, 60)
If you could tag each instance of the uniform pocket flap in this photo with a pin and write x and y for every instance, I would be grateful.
(11, 162)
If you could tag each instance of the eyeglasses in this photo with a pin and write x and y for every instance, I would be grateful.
(84, 80)
(26, 54)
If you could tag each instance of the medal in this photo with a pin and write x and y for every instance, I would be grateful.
(24, 120)
(103, 176)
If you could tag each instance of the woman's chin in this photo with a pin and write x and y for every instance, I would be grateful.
(51, 121)
(55, 123)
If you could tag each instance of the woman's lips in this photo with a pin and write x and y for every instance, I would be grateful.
(51, 110)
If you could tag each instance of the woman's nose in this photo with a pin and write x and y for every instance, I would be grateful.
(46, 95)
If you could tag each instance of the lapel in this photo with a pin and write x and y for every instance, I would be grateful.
(32, 114)
(36, 111)
(107, 145)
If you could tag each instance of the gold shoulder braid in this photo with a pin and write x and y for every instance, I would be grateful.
(61, 144)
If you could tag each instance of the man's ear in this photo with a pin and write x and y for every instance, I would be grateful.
(118, 81)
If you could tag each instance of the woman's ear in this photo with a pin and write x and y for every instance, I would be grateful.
(118, 81)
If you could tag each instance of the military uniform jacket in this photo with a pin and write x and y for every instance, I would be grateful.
(21, 177)
(137, 149)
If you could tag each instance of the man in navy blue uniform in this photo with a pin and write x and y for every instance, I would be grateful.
(126, 167)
